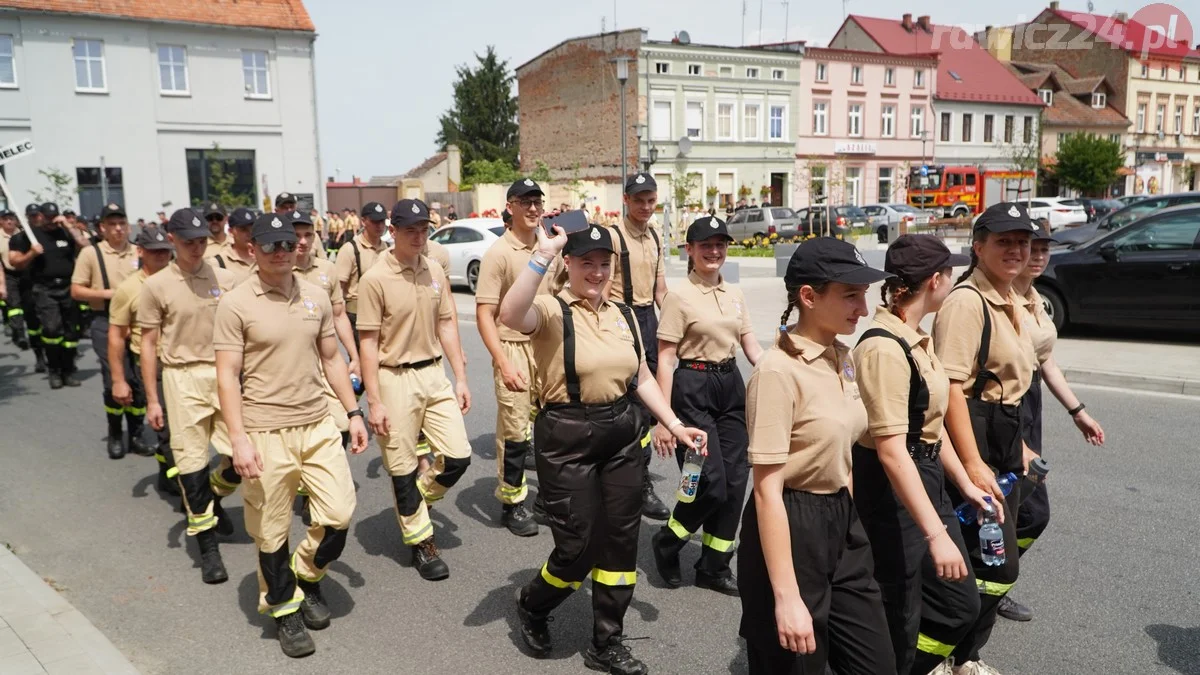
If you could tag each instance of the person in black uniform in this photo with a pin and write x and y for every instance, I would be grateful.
(50, 260)
(589, 436)
(33, 327)
(14, 313)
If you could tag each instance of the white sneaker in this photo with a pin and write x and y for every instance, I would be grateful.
(975, 668)
(943, 668)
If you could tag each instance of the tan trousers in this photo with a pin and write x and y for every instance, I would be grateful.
(514, 412)
(192, 405)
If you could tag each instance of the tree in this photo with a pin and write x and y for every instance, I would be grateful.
(480, 171)
(541, 172)
(58, 188)
(483, 119)
(684, 183)
(1088, 163)
(222, 177)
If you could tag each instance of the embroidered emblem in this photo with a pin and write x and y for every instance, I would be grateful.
(158, 237)
(859, 258)
(378, 208)
(112, 206)
(595, 234)
(276, 223)
(213, 207)
(848, 370)
(416, 209)
(715, 224)
(195, 222)
(436, 286)
(640, 179)
(528, 183)
(1014, 211)
(215, 291)
(310, 306)
(622, 324)
(295, 214)
(324, 278)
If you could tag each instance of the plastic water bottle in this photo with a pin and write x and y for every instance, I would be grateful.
(1038, 469)
(689, 480)
(356, 382)
(991, 538)
(967, 513)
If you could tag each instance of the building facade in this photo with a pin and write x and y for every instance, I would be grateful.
(161, 106)
(865, 120)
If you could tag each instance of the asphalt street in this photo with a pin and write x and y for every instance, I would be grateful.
(1112, 581)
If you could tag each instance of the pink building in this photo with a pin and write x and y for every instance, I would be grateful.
(865, 119)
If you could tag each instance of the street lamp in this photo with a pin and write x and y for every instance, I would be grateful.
(623, 77)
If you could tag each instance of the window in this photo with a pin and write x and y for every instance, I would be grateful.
(172, 69)
(1047, 96)
(238, 163)
(1115, 138)
(918, 78)
(854, 185)
(694, 122)
(778, 114)
(1141, 118)
(855, 74)
(1099, 100)
(988, 130)
(464, 235)
(1196, 121)
(8, 62)
(918, 122)
(751, 123)
(820, 118)
(1178, 119)
(695, 69)
(662, 122)
(725, 190)
(816, 184)
(1145, 70)
(1160, 118)
(889, 77)
(1062, 136)
(1164, 72)
(1175, 232)
(885, 184)
(887, 126)
(970, 179)
(1027, 132)
(778, 74)
(968, 118)
(1008, 128)
(822, 72)
(661, 68)
(945, 130)
(752, 73)
(254, 71)
(854, 126)
(89, 65)
(95, 186)
(725, 71)
(725, 121)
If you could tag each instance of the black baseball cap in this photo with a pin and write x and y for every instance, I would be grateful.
(285, 198)
(49, 209)
(408, 212)
(707, 228)
(1005, 217)
(270, 228)
(7, 213)
(187, 224)
(300, 218)
(374, 211)
(595, 238)
(522, 187)
(826, 259)
(112, 209)
(31, 209)
(152, 238)
(1043, 230)
(214, 209)
(241, 217)
(916, 257)
(640, 182)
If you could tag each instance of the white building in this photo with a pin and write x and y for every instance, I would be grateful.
(151, 93)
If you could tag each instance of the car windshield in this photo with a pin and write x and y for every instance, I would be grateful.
(1070, 202)
(851, 211)
(902, 208)
(498, 231)
(782, 213)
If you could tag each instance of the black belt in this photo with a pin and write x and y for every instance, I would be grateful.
(926, 451)
(417, 365)
(726, 366)
(617, 406)
(53, 282)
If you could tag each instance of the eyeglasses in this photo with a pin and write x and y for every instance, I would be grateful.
(529, 203)
(273, 246)
(215, 218)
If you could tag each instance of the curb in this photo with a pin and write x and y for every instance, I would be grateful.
(1166, 385)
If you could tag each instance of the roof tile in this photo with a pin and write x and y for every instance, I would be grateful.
(273, 14)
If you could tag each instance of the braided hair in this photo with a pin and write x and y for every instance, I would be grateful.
(980, 236)
(793, 293)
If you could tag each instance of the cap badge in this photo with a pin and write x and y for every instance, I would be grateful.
(1014, 211)
(212, 207)
(158, 237)
(296, 214)
(195, 222)
(714, 225)
(861, 261)
(640, 179)
(528, 183)
(113, 206)
(595, 234)
(276, 223)
(416, 209)
(378, 208)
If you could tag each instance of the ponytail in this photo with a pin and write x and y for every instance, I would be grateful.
(691, 265)
(898, 293)
(782, 341)
(980, 236)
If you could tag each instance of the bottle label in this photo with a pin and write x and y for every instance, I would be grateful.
(993, 547)
(688, 484)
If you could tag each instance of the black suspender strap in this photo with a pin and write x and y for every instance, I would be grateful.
(626, 272)
(632, 321)
(985, 347)
(220, 261)
(357, 257)
(103, 269)
(573, 388)
(657, 258)
(918, 392)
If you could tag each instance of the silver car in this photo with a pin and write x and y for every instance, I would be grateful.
(762, 222)
(883, 215)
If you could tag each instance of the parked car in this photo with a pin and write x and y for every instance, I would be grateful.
(883, 215)
(466, 240)
(1118, 219)
(1060, 211)
(1145, 275)
(762, 222)
(1129, 199)
(813, 219)
(1098, 208)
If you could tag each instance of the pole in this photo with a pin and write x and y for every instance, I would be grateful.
(103, 183)
(760, 18)
(924, 180)
(623, 77)
(12, 207)
(786, 12)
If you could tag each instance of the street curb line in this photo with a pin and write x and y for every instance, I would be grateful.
(1167, 385)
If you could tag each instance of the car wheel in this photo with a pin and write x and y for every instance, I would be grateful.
(960, 212)
(882, 233)
(1055, 308)
(473, 275)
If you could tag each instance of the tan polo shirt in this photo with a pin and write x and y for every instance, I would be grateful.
(277, 334)
(958, 330)
(321, 272)
(119, 265)
(645, 260)
(502, 264)
(122, 309)
(605, 359)
(4, 239)
(805, 413)
(405, 304)
(240, 266)
(347, 267)
(706, 322)
(1039, 326)
(439, 254)
(883, 380)
(181, 306)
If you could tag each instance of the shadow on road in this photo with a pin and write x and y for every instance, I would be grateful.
(740, 664)
(339, 600)
(478, 501)
(1178, 648)
(500, 605)
(1119, 334)
(11, 379)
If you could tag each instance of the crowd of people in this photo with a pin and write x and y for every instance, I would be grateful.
(232, 332)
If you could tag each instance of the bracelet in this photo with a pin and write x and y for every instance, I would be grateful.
(935, 535)
(357, 412)
(542, 262)
(537, 268)
(1076, 410)
(672, 425)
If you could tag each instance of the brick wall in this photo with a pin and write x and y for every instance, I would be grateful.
(1056, 40)
(569, 107)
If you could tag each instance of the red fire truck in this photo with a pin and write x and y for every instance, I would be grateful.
(961, 191)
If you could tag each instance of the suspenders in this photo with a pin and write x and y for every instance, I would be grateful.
(103, 270)
(626, 273)
(220, 261)
(573, 386)
(357, 257)
(918, 392)
(985, 346)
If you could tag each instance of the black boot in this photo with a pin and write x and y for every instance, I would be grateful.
(313, 609)
(518, 520)
(1013, 610)
(535, 630)
(69, 378)
(652, 506)
(428, 561)
(224, 522)
(39, 365)
(614, 658)
(666, 547)
(116, 437)
(294, 639)
(56, 381)
(212, 568)
(137, 436)
(713, 573)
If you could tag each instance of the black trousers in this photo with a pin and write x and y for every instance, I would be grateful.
(590, 470)
(832, 560)
(136, 410)
(33, 325)
(648, 326)
(14, 307)
(166, 459)
(58, 315)
(926, 616)
(716, 403)
(354, 327)
(1034, 515)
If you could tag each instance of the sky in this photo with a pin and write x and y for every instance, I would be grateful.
(386, 68)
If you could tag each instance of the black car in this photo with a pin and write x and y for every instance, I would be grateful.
(1145, 275)
(1098, 208)
(813, 220)
(1075, 236)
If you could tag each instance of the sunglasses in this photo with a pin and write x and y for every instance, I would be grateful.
(271, 247)
(528, 203)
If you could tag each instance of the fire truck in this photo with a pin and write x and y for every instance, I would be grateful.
(962, 191)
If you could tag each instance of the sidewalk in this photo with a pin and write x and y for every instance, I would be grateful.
(40, 632)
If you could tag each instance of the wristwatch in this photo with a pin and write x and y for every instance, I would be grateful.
(357, 412)
(1076, 410)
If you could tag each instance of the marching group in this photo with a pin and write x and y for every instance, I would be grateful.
(228, 330)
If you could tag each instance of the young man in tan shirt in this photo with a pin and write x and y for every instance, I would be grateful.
(358, 255)
(235, 255)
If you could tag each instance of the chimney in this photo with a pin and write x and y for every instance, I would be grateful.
(923, 22)
(1054, 4)
(1121, 16)
(906, 21)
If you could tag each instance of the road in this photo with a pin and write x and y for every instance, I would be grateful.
(1111, 581)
